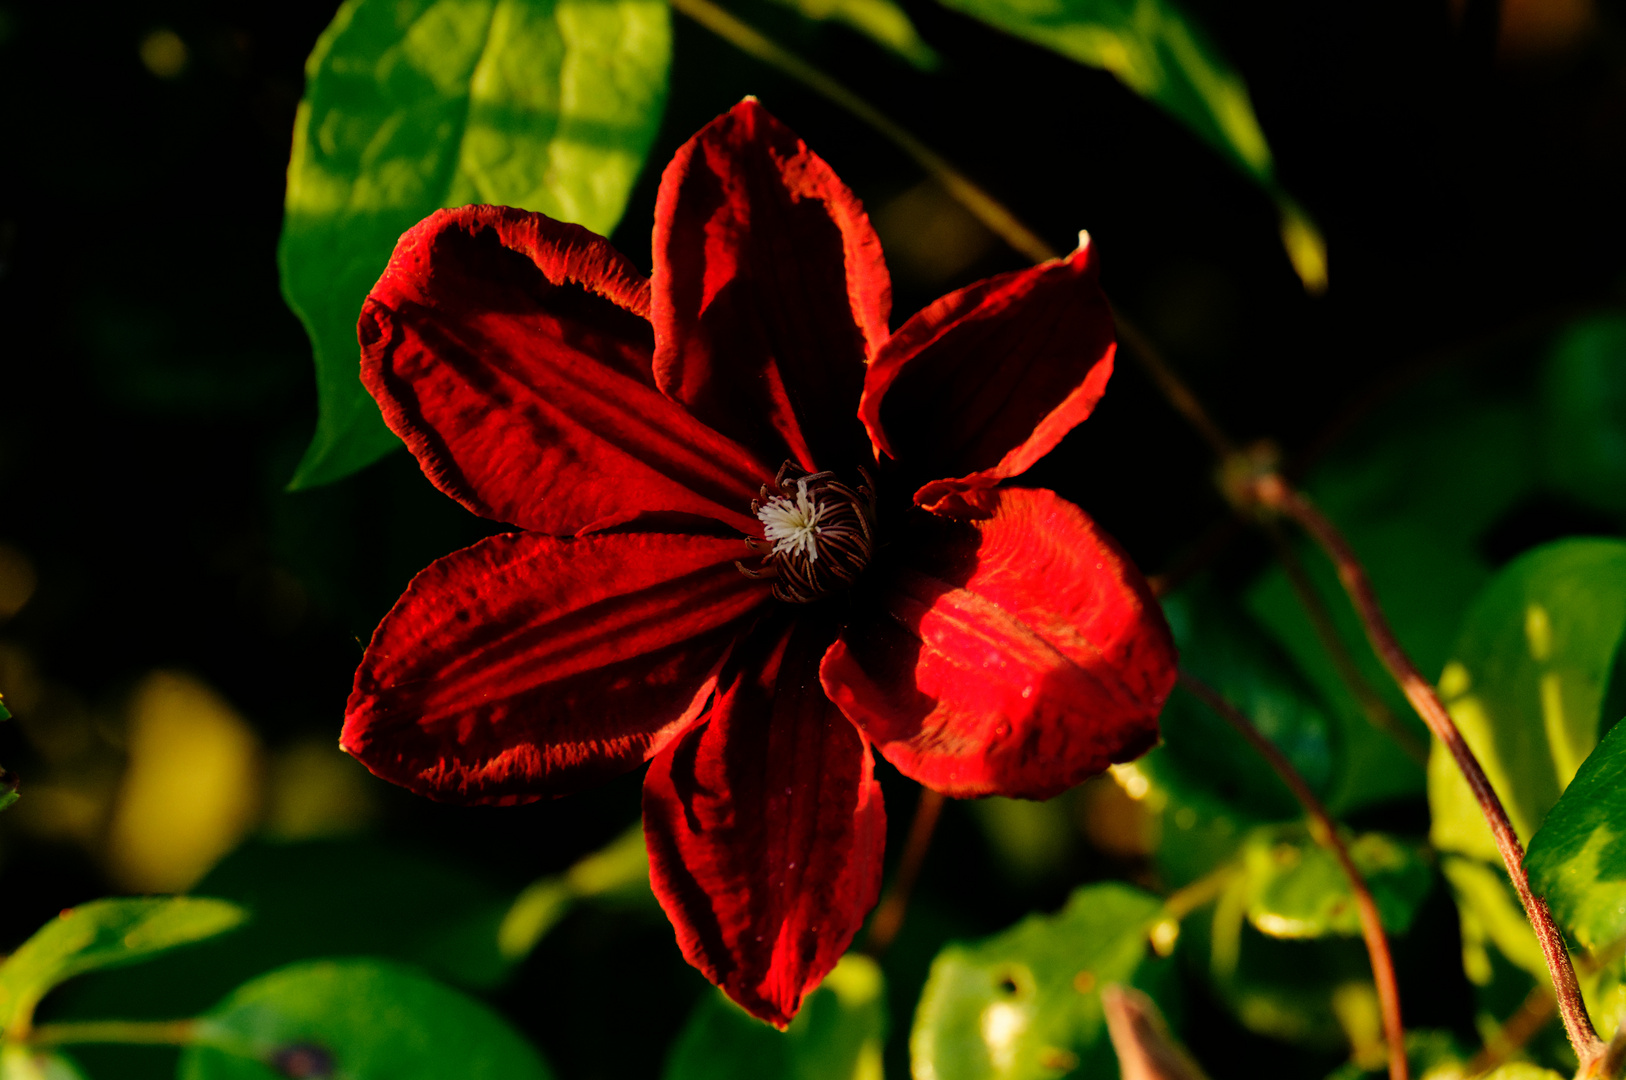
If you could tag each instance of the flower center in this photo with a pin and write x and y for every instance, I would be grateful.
(818, 533)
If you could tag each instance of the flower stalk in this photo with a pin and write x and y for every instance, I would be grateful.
(889, 913)
(1325, 832)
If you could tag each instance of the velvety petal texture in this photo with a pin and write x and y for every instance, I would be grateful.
(512, 354)
(769, 291)
(986, 381)
(765, 826)
(529, 666)
(988, 640)
(1022, 654)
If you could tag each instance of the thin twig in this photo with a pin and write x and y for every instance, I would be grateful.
(1366, 695)
(1000, 221)
(1325, 832)
(888, 920)
(1174, 389)
(127, 1032)
(1276, 494)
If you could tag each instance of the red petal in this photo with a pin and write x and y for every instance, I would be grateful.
(765, 827)
(1022, 655)
(987, 380)
(768, 293)
(528, 666)
(512, 354)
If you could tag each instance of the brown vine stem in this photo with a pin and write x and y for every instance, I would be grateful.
(1325, 832)
(888, 920)
(1274, 493)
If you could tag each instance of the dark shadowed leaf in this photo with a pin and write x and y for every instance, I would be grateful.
(357, 1019)
(1026, 1003)
(1577, 860)
(410, 106)
(838, 1035)
(103, 934)
(1583, 404)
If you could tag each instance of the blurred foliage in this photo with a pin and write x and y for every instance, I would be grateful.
(548, 105)
(838, 1035)
(177, 635)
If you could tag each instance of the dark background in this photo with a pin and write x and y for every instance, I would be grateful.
(155, 393)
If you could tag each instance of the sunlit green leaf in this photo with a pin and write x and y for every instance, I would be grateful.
(838, 1035)
(1527, 685)
(102, 934)
(1583, 398)
(359, 1019)
(1298, 889)
(1026, 1003)
(412, 105)
(882, 21)
(1160, 53)
(1577, 859)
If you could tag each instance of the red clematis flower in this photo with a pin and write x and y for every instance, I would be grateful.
(761, 536)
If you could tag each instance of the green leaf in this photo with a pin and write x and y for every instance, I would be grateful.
(1298, 889)
(1161, 54)
(882, 21)
(1583, 405)
(412, 105)
(618, 872)
(1527, 685)
(359, 1019)
(838, 1035)
(8, 787)
(1577, 860)
(1026, 1003)
(103, 934)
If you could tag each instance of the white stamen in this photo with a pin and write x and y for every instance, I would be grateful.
(793, 525)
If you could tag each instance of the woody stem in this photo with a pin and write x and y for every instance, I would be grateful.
(1325, 831)
(1274, 493)
(888, 920)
